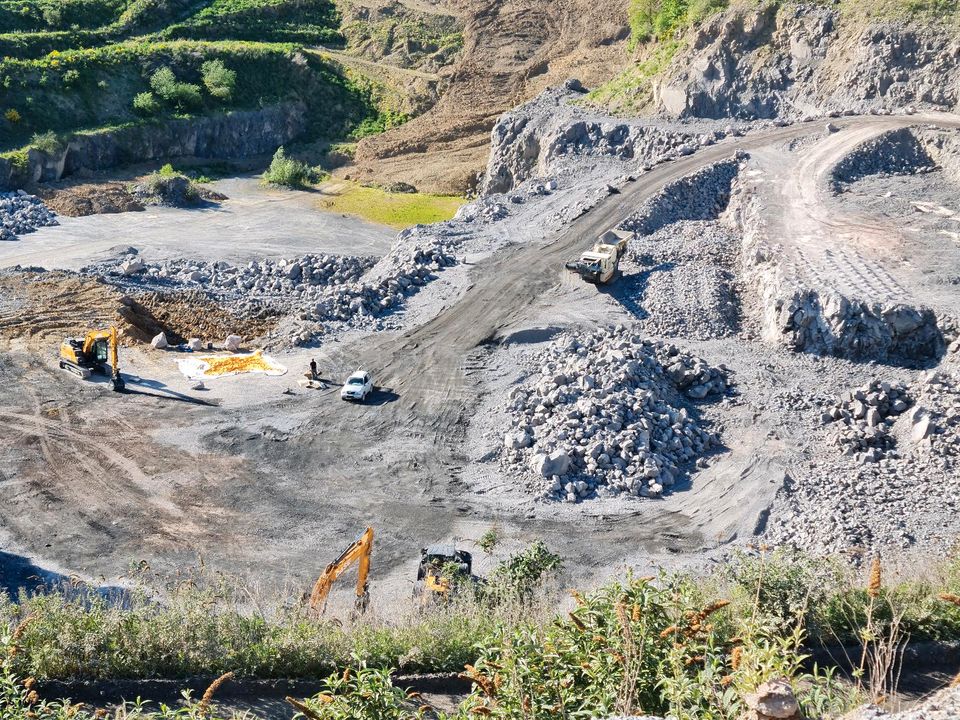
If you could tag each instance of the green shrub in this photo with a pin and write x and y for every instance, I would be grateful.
(146, 104)
(48, 142)
(71, 78)
(18, 159)
(182, 96)
(363, 693)
(287, 171)
(218, 79)
(660, 18)
(637, 648)
(382, 121)
(488, 541)
(523, 572)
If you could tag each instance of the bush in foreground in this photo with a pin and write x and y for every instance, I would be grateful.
(690, 647)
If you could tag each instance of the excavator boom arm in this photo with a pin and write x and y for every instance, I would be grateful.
(111, 336)
(359, 550)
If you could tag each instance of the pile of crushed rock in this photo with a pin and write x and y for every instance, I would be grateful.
(607, 413)
(863, 419)
(700, 196)
(898, 152)
(21, 213)
(895, 484)
(174, 191)
(681, 281)
(296, 279)
(315, 289)
(413, 261)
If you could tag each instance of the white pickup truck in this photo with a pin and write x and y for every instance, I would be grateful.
(358, 386)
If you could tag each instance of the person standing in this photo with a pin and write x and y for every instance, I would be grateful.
(313, 369)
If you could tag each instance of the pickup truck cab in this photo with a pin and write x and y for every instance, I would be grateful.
(358, 386)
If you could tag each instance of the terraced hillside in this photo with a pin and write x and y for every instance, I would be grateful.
(99, 66)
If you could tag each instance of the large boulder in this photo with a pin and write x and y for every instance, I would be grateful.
(556, 463)
(774, 700)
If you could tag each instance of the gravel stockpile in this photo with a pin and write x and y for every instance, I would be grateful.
(291, 279)
(895, 485)
(701, 196)
(607, 414)
(175, 191)
(680, 281)
(935, 425)
(413, 261)
(864, 418)
(21, 213)
(899, 152)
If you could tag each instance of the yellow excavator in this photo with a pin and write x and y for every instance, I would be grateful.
(359, 552)
(95, 352)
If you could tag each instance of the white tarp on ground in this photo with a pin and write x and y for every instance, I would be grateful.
(213, 366)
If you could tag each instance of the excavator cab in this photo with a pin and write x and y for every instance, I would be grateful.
(438, 566)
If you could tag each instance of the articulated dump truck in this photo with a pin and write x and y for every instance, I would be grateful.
(600, 263)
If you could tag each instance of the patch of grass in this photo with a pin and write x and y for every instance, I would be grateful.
(400, 210)
(378, 123)
(632, 90)
(40, 15)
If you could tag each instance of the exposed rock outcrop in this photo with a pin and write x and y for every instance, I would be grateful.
(526, 141)
(230, 135)
(795, 60)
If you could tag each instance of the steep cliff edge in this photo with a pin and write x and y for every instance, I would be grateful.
(789, 60)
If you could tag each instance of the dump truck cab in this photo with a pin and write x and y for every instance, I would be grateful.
(598, 267)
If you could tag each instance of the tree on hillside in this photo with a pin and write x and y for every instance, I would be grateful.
(182, 96)
(218, 79)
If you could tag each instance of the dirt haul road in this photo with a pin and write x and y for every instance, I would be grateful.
(275, 488)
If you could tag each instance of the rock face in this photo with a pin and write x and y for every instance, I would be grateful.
(527, 140)
(801, 60)
(231, 135)
(22, 213)
(604, 414)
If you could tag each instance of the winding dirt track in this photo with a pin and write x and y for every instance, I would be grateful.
(276, 487)
(833, 248)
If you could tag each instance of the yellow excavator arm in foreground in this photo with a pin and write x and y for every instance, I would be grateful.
(359, 551)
